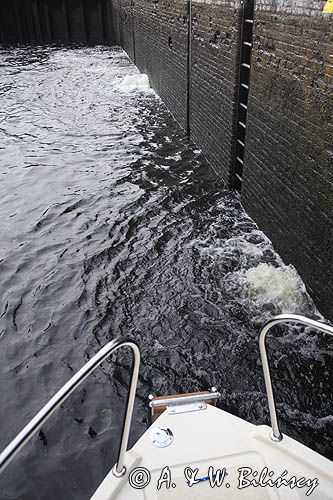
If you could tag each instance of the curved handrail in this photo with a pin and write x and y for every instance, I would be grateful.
(281, 318)
(38, 420)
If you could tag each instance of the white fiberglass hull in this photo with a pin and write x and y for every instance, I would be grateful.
(247, 459)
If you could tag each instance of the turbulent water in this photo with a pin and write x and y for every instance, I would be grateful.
(112, 224)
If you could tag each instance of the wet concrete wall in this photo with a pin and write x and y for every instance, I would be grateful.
(66, 21)
(288, 170)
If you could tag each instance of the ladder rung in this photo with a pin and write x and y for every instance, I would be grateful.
(244, 85)
(249, 44)
(243, 105)
(240, 160)
(241, 143)
(246, 65)
(242, 124)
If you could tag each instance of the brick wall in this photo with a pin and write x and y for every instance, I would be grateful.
(214, 54)
(126, 26)
(288, 172)
(193, 72)
(161, 40)
(287, 179)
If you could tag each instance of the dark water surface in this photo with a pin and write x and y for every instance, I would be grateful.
(112, 225)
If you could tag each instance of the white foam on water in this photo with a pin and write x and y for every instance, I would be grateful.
(248, 268)
(280, 286)
(175, 157)
(132, 83)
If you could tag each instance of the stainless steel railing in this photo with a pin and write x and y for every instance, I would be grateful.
(119, 469)
(282, 318)
(44, 414)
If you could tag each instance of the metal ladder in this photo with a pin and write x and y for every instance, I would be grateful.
(244, 63)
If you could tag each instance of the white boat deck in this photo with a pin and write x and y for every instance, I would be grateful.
(212, 437)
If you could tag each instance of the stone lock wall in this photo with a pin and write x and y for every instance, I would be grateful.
(274, 142)
(288, 172)
(189, 50)
(161, 50)
(213, 81)
(53, 21)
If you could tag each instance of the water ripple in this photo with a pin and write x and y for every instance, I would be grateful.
(113, 225)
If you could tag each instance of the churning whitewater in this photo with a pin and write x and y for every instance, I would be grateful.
(113, 224)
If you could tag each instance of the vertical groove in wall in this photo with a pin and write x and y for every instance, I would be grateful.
(36, 20)
(30, 21)
(105, 20)
(189, 63)
(100, 21)
(120, 29)
(113, 9)
(133, 29)
(85, 23)
(49, 34)
(18, 22)
(66, 24)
